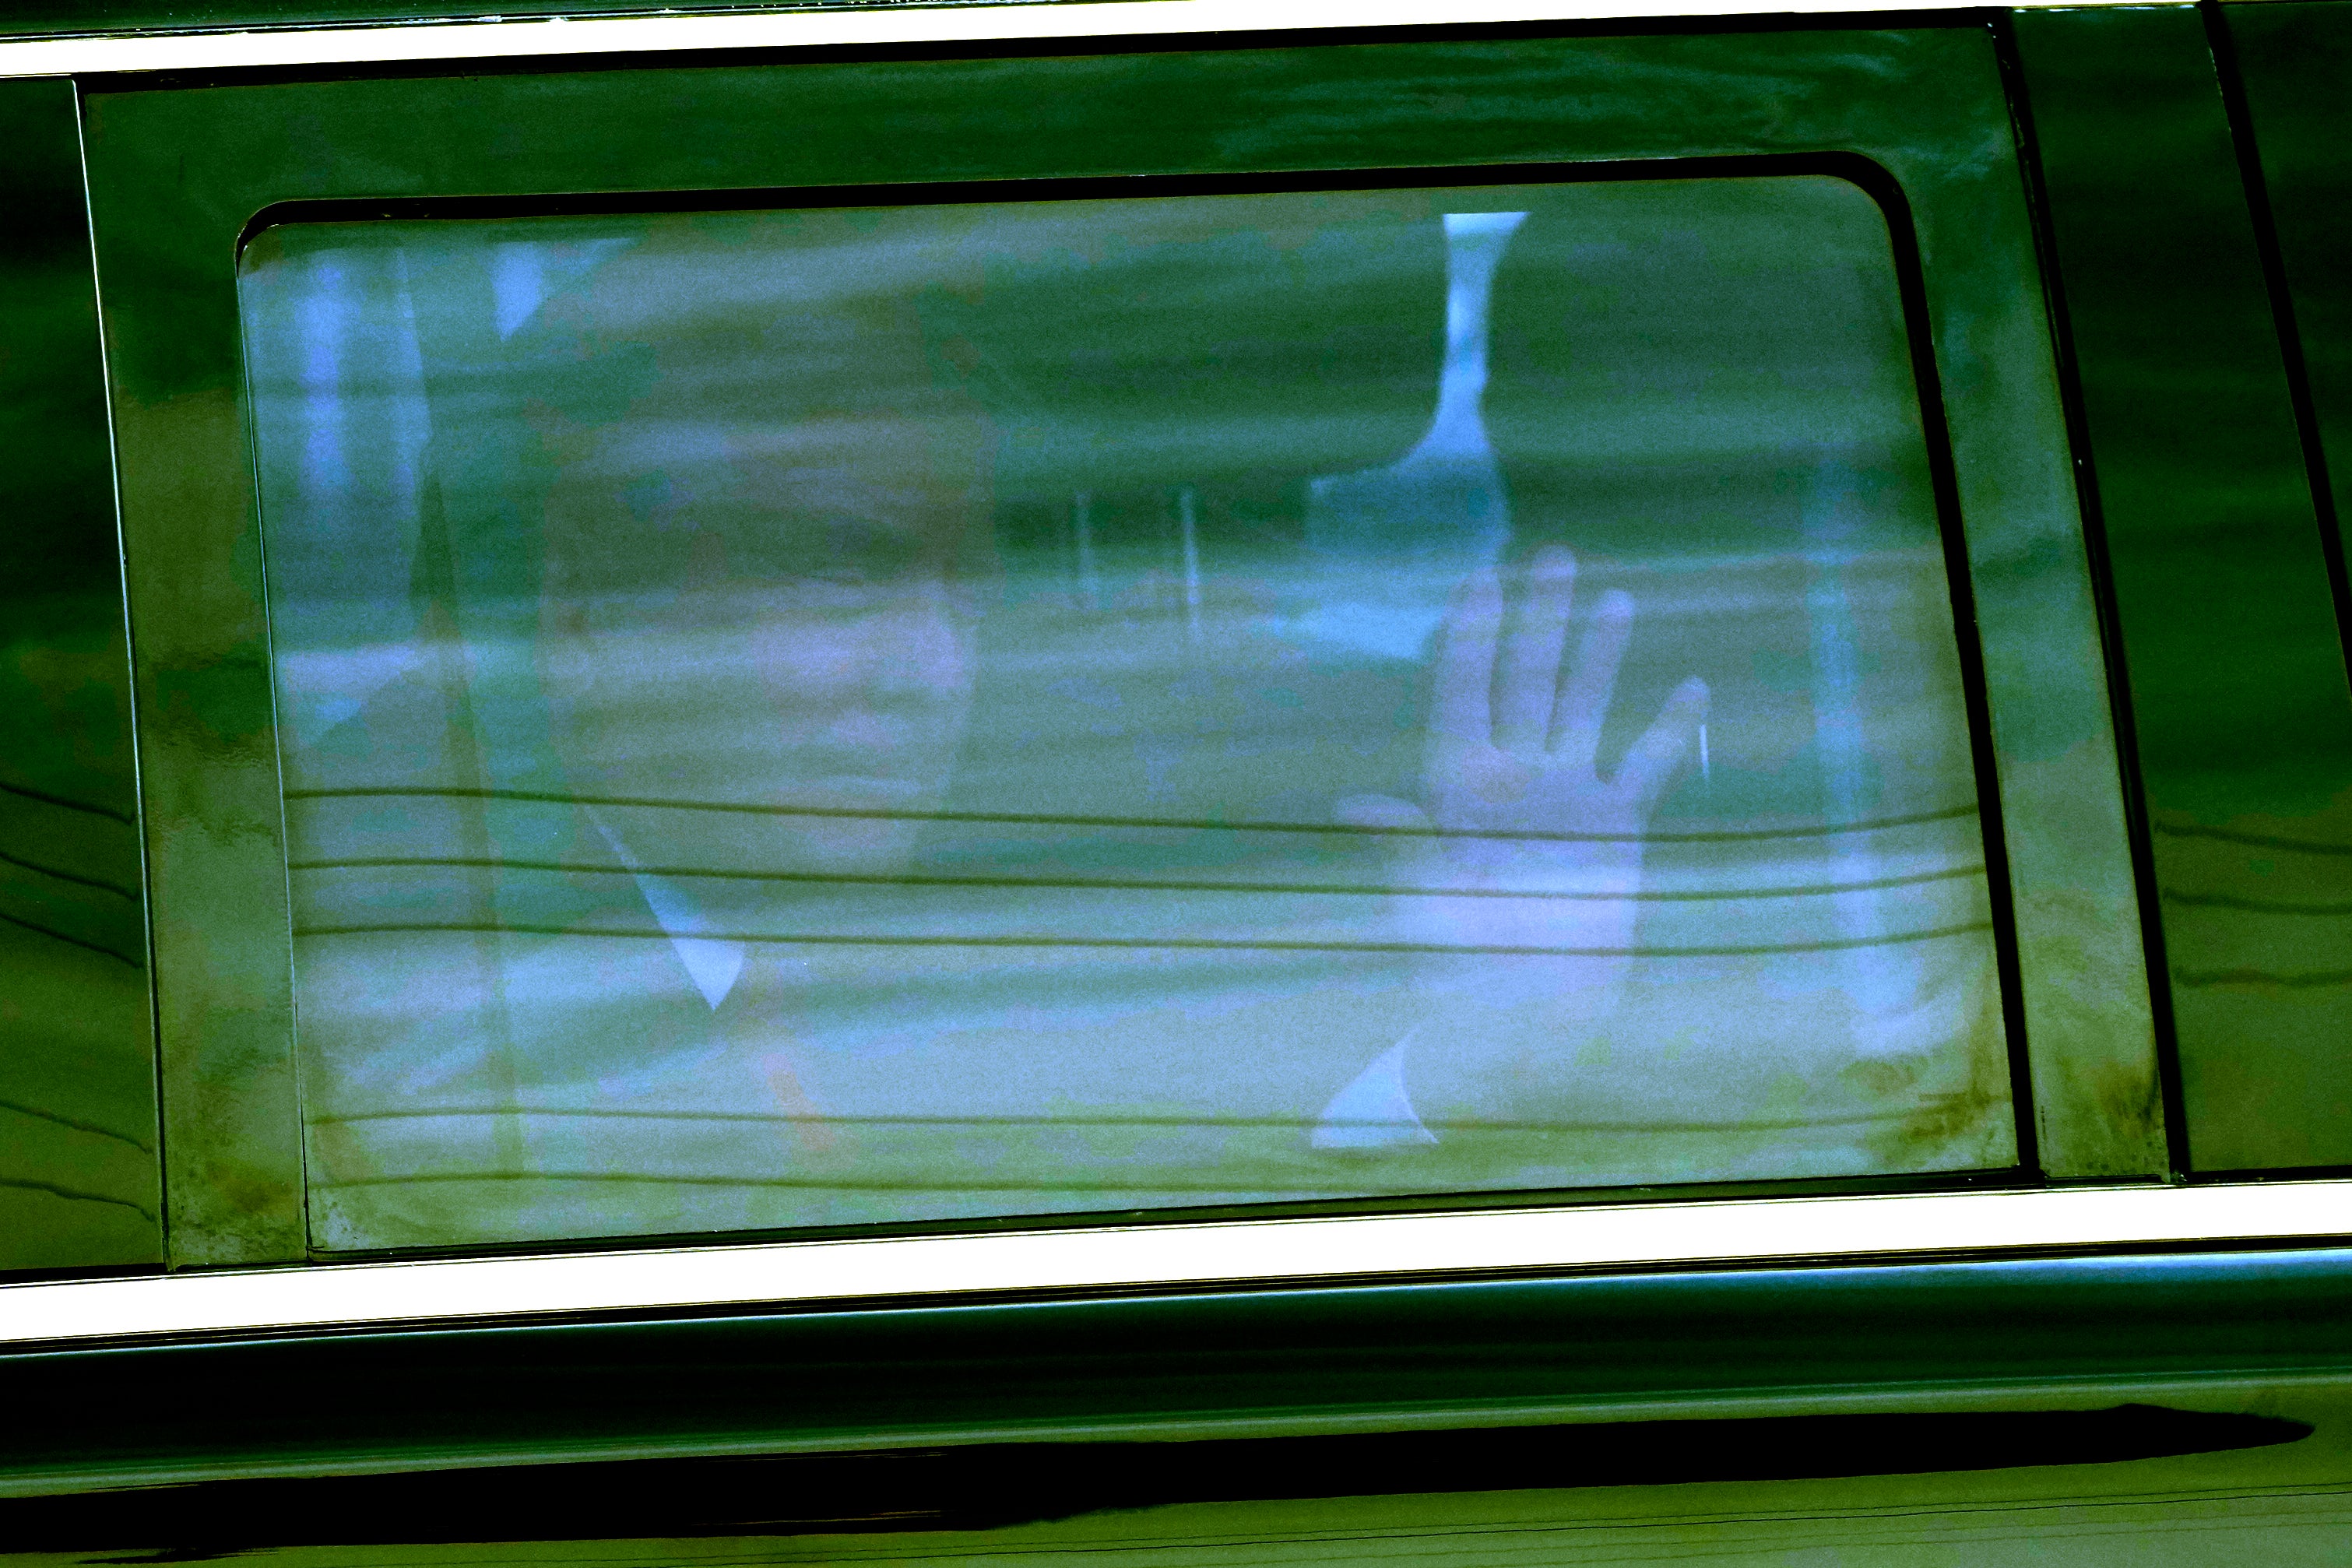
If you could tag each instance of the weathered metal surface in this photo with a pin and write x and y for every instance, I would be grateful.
(79, 1162)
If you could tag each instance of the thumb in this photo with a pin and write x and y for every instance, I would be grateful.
(1665, 748)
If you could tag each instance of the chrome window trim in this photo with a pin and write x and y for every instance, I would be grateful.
(850, 25)
(1522, 1241)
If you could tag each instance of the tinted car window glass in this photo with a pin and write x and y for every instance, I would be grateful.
(821, 717)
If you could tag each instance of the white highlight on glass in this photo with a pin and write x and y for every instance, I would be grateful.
(1393, 541)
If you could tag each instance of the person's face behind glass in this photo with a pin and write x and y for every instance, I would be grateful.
(773, 612)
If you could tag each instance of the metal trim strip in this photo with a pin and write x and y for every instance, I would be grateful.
(1617, 1236)
(1040, 21)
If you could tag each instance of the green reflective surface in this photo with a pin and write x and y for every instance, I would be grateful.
(1281, 1362)
(2236, 667)
(2296, 60)
(2218, 1473)
(79, 1167)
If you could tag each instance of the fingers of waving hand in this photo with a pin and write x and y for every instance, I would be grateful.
(1509, 707)
(1460, 710)
(1526, 675)
(1587, 689)
(1503, 681)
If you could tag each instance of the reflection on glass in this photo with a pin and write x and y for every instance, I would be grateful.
(833, 717)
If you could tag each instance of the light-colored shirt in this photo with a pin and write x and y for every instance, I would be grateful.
(1373, 1111)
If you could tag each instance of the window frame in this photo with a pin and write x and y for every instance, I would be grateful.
(179, 172)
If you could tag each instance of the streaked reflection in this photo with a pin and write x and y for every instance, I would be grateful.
(821, 718)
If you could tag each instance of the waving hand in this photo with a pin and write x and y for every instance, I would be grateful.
(1517, 842)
